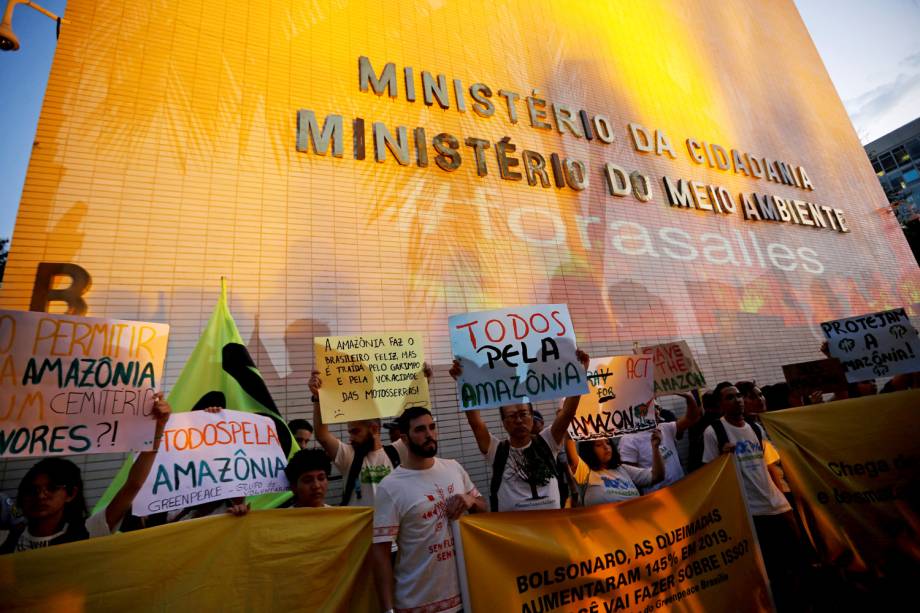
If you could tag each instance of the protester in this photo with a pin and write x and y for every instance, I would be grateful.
(412, 507)
(308, 474)
(755, 403)
(524, 473)
(711, 414)
(773, 520)
(51, 499)
(538, 423)
(634, 449)
(364, 461)
(302, 431)
(602, 478)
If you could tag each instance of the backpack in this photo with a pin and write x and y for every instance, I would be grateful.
(722, 436)
(502, 452)
(355, 469)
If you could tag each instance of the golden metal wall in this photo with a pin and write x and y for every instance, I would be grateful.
(165, 157)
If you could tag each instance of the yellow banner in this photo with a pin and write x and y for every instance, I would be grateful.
(855, 469)
(689, 547)
(283, 559)
(370, 375)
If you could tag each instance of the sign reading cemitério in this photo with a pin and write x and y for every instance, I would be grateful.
(424, 147)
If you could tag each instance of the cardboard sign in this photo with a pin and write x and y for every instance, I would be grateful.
(620, 398)
(825, 376)
(370, 375)
(516, 355)
(75, 385)
(213, 456)
(874, 345)
(675, 369)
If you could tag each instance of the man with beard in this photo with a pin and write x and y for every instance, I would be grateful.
(413, 507)
(525, 476)
(364, 461)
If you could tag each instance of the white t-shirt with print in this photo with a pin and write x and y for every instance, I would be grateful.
(410, 508)
(636, 449)
(96, 526)
(762, 496)
(611, 485)
(514, 493)
(375, 467)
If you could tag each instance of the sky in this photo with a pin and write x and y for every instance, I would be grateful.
(871, 48)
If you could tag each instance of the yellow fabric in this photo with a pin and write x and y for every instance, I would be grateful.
(283, 559)
(770, 454)
(823, 447)
(502, 550)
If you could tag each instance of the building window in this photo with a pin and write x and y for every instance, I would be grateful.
(900, 155)
(913, 148)
(911, 175)
(888, 163)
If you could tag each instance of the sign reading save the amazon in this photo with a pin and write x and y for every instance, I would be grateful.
(675, 369)
(213, 456)
(72, 385)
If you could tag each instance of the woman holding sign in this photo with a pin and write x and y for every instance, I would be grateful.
(51, 498)
(600, 476)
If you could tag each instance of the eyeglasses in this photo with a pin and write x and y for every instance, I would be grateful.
(35, 490)
(518, 416)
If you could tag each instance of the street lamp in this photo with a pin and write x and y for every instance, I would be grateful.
(8, 40)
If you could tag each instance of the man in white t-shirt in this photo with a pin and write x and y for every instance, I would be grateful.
(635, 449)
(377, 460)
(413, 507)
(777, 533)
(524, 470)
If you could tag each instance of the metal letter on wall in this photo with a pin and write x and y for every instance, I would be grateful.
(43, 292)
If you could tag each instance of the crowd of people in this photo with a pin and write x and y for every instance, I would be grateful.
(415, 493)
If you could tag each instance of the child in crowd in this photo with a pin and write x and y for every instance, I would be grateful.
(51, 499)
(602, 478)
(308, 473)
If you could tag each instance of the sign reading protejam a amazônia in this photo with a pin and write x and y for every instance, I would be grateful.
(516, 355)
(73, 385)
(874, 345)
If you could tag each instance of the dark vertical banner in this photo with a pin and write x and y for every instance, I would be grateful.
(854, 466)
(687, 547)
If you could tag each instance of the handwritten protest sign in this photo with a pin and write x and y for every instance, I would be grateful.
(370, 375)
(620, 398)
(675, 369)
(213, 456)
(874, 345)
(824, 376)
(516, 355)
(72, 385)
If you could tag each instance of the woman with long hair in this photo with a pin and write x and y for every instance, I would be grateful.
(602, 478)
(50, 497)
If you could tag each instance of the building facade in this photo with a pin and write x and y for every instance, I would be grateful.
(895, 159)
(670, 170)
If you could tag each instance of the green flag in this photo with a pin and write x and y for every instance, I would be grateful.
(221, 373)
